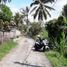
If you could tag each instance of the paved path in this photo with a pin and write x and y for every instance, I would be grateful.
(23, 56)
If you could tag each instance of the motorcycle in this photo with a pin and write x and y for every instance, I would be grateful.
(43, 45)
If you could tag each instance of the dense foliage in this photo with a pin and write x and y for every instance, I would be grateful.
(41, 9)
(5, 13)
(5, 18)
(57, 35)
(34, 29)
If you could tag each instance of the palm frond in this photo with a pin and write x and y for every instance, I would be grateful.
(47, 12)
(22, 10)
(40, 16)
(33, 9)
(44, 14)
(47, 1)
(35, 15)
(34, 3)
(27, 9)
(42, 10)
(49, 7)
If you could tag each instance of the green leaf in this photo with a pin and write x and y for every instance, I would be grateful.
(35, 15)
(34, 3)
(33, 9)
(47, 12)
(44, 14)
(40, 16)
(49, 7)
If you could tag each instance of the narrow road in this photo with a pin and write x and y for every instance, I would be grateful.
(24, 56)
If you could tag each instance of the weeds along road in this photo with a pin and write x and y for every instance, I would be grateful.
(24, 56)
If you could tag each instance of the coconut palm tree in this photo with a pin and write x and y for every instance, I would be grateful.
(41, 9)
(44, 1)
(25, 14)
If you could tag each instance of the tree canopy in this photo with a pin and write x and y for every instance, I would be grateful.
(5, 13)
(42, 10)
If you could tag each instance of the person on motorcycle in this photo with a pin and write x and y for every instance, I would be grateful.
(39, 39)
(39, 43)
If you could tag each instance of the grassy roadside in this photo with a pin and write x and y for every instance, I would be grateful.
(6, 47)
(56, 59)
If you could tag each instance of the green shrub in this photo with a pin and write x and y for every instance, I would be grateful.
(55, 31)
(34, 29)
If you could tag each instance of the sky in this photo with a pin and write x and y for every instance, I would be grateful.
(15, 5)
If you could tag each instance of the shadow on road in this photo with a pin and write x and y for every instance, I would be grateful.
(25, 64)
(37, 50)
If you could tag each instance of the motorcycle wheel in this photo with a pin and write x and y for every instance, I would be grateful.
(43, 48)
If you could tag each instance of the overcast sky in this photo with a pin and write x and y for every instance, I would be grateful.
(15, 5)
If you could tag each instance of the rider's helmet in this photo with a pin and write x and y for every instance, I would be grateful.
(38, 36)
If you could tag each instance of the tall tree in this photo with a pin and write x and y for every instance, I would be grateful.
(41, 8)
(25, 14)
(5, 13)
(18, 18)
(5, 18)
(25, 18)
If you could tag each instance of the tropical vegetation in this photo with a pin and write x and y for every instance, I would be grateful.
(55, 30)
(57, 34)
(41, 9)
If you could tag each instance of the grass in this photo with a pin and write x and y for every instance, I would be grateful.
(6, 47)
(56, 59)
